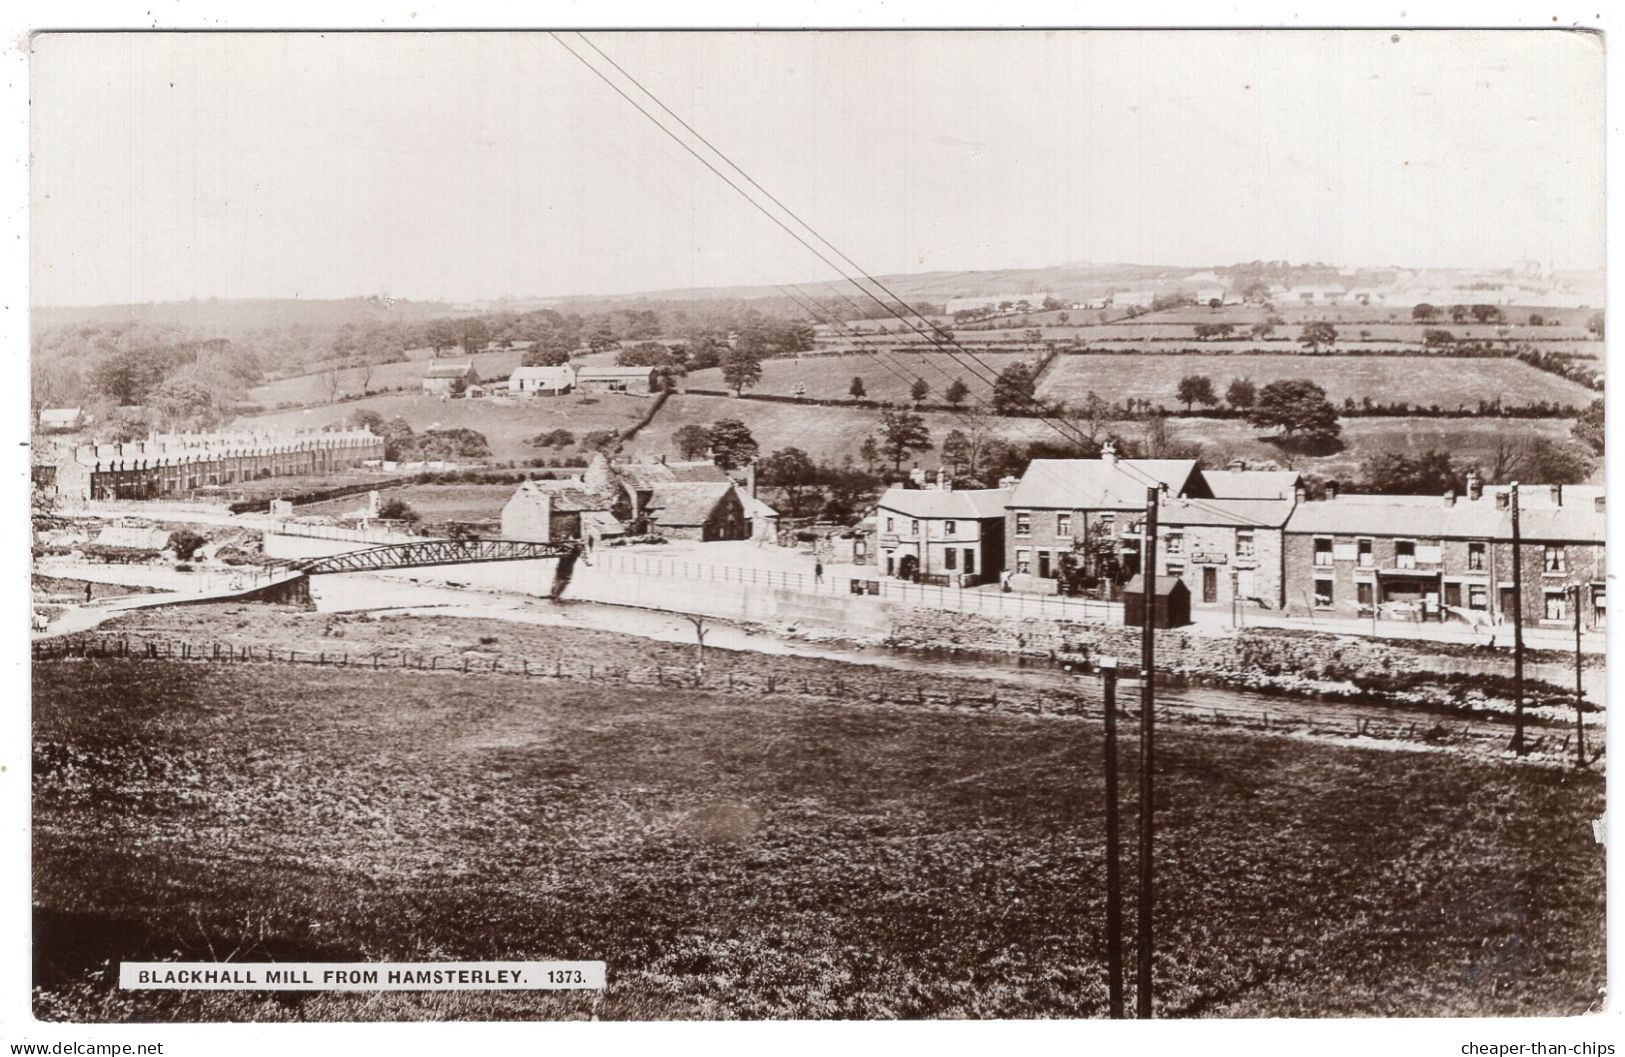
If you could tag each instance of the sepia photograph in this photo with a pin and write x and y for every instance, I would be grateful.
(816, 525)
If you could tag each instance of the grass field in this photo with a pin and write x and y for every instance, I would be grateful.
(314, 388)
(886, 375)
(507, 424)
(781, 856)
(1449, 383)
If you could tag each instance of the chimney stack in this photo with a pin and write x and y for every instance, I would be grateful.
(750, 479)
(1597, 504)
(1331, 490)
(1450, 497)
(1238, 464)
(1503, 500)
(1557, 495)
(1475, 487)
(1300, 493)
(1108, 452)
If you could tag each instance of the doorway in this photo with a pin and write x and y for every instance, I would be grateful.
(1210, 584)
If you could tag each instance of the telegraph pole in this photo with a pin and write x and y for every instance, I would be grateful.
(1148, 677)
(1517, 626)
(1114, 882)
(1579, 688)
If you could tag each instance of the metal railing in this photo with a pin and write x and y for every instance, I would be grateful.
(929, 596)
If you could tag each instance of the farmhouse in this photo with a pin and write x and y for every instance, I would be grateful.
(551, 511)
(631, 484)
(941, 535)
(170, 464)
(616, 379)
(1433, 557)
(698, 510)
(542, 381)
(449, 379)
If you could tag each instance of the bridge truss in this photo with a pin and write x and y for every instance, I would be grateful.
(432, 552)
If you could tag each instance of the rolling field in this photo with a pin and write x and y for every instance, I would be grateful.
(507, 424)
(886, 375)
(313, 388)
(1449, 383)
(750, 856)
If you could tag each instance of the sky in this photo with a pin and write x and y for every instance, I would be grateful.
(462, 167)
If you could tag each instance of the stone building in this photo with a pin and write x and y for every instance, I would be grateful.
(176, 464)
(449, 379)
(1434, 557)
(1226, 550)
(553, 511)
(697, 510)
(615, 379)
(941, 535)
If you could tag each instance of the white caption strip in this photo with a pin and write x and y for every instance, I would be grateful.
(361, 976)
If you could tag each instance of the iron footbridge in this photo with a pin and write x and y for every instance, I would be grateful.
(433, 552)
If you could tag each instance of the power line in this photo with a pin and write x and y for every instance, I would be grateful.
(991, 376)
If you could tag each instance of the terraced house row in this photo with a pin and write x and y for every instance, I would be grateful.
(177, 464)
(1251, 538)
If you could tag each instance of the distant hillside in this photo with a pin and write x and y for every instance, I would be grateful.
(1063, 281)
(230, 318)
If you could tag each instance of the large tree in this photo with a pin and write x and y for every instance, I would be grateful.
(1432, 472)
(956, 392)
(796, 478)
(732, 445)
(1014, 390)
(1197, 389)
(691, 441)
(741, 369)
(1315, 335)
(901, 434)
(1588, 428)
(1241, 393)
(1298, 408)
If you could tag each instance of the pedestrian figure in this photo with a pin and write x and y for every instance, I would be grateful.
(818, 571)
(1004, 581)
(87, 594)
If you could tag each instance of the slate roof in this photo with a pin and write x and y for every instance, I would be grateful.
(687, 503)
(1241, 513)
(449, 370)
(1430, 516)
(643, 475)
(612, 373)
(1101, 484)
(967, 504)
(1252, 484)
(567, 496)
(59, 416)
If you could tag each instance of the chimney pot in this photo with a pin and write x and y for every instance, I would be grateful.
(1331, 490)
(1597, 504)
(1450, 497)
(1238, 465)
(1475, 487)
(1503, 500)
(1108, 451)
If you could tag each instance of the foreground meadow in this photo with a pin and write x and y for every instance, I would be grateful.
(772, 856)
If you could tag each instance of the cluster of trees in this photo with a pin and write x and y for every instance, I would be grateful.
(802, 487)
(1241, 394)
(1434, 472)
(404, 444)
(1488, 314)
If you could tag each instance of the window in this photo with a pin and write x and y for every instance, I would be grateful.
(1108, 523)
(1174, 569)
(950, 557)
(891, 525)
(1063, 524)
(1323, 593)
(913, 528)
(1244, 544)
(1024, 524)
(1599, 605)
(948, 528)
(1475, 555)
(1554, 559)
(1043, 564)
(1176, 543)
(1478, 596)
(1024, 561)
(970, 562)
(1363, 556)
(1557, 604)
(1364, 590)
(1323, 550)
(1405, 554)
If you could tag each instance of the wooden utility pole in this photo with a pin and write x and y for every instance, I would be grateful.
(1114, 882)
(1517, 625)
(1148, 679)
(1579, 687)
